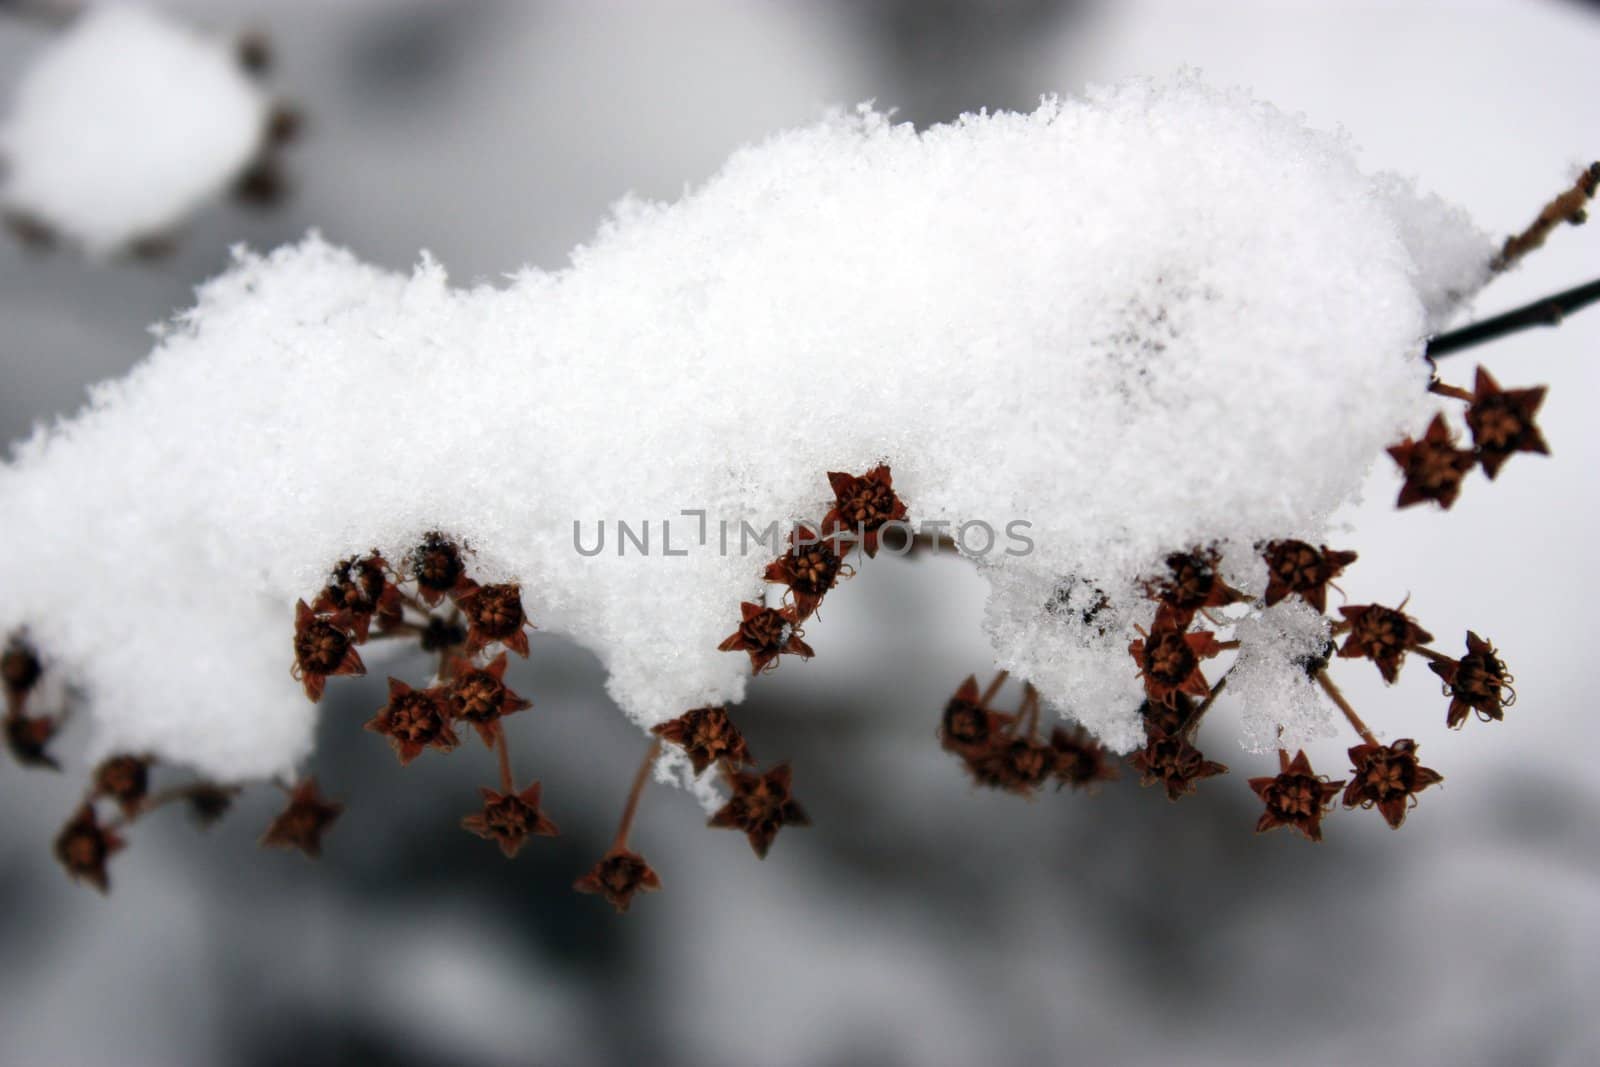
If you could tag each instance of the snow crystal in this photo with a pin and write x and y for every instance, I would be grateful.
(1271, 682)
(1159, 317)
(125, 125)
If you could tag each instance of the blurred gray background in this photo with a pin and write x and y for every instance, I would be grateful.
(918, 921)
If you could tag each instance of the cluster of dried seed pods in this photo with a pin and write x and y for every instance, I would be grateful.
(1002, 750)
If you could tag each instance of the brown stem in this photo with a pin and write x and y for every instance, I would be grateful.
(1344, 705)
(1455, 393)
(1193, 722)
(1428, 653)
(993, 689)
(1227, 646)
(1568, 207)
(1030, 708)
(1283, 761)
(620, 842)
(502, 749)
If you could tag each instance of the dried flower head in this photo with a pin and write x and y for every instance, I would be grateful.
(28, 738)
(1476, 682)
(1388, 777)
(760, 805)
(1502, 422)
(1015, 764)
(810, 568)
(1169, 662)
(1169, 760)
(1192, 583)
(209, 802)
(1381, 635)
(706, 736)
(479, 695)
(966, 724)
(436, 566)
(508, 819)
(124, 779)
(766, 634)
(618, 876)
(863, 505)
(1433, 467)
(360, 588)
(83, 846)
(1296, 567)
(1080, 761)
(19, 669)
(415, 719)
(323, 648)
(1296, 797)
(303, 821)
(494, 613)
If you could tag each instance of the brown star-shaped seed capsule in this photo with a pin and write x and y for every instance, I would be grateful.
(1014, 765)
(360, 588)
(19, 671)
(1389, 777)
(415, 719)
(863, 505)
(810, 568)
(1080, 761)
(966, 725)
(494, 613)
(303, 821)
(323, 648)
(1169, 760)
(766, 634)
(124, 779)
(1296, 567)
(1295, 797)
(1169, 662)
(28, 738)
(1476, 682)
(1381, 635)
(437, 567)
(209, 802)
(706, 736)
(478, 695)
(510, 818)
(83, 846)
(1433, 467)
(1502, 422)
(1192, 583)
(618, 876)
(760, 805)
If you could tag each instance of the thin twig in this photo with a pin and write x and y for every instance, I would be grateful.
(639, 780)
(1546, 311)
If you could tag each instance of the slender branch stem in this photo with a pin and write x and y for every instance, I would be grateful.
(621, 840)
(502, 749)
(1337, 697)
(993, 689)
(1193, 722)
(1546, 311)
(1451, 391)
(1283, 761)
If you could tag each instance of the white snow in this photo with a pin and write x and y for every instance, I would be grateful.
(1269, 682)
(1159, 317)
(126, 124)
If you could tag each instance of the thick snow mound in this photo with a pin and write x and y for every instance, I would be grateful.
(125, 125)
(1159, 317)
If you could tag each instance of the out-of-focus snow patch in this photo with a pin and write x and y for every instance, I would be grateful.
(126, 124)
(1159, 317)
